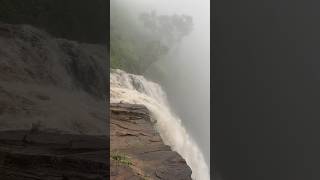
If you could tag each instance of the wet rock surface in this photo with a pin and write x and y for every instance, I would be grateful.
(134, 138)
(52, 156)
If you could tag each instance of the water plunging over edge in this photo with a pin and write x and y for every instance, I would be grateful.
(135, 89)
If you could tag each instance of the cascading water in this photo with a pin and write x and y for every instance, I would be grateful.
(135, 89)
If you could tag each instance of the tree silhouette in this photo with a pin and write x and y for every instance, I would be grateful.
(170, 29)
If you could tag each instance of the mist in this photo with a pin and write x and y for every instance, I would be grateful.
(187, 83)
(187, 66)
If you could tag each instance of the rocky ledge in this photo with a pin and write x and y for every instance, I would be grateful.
(136, 149)
(35, 155)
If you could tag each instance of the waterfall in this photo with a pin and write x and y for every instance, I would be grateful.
(135, 89)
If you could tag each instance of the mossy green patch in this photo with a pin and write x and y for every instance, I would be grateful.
(121, 158)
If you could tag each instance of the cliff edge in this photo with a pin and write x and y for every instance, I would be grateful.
(136, 149)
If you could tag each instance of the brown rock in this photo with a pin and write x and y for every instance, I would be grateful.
(52, 156)
(134, 138)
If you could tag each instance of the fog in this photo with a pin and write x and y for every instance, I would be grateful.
(187, 67)
(188, 81)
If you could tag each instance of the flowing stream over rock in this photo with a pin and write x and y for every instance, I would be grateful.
(135, 89)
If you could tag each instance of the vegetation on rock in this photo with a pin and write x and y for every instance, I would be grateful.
(121, 158)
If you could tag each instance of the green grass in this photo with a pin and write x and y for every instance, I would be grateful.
(145, 177)
(121, 158)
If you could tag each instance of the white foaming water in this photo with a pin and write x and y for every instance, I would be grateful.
(134, 89)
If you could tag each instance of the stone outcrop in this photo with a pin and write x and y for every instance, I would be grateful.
(137, 151)
(38, 155)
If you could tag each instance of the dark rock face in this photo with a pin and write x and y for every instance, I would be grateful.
(52, 156)
(132, 135)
